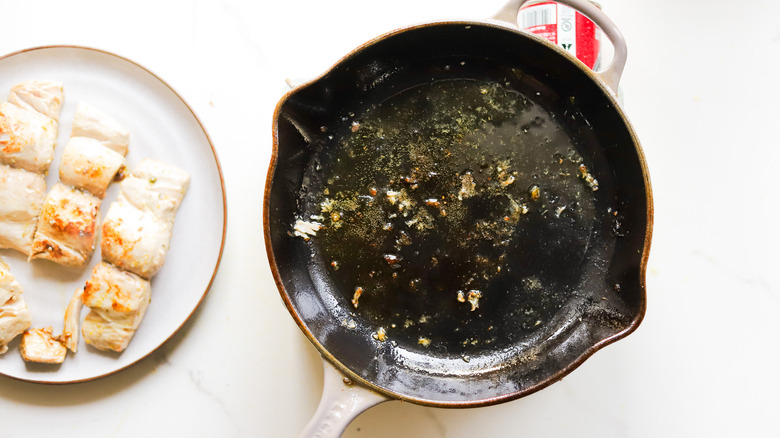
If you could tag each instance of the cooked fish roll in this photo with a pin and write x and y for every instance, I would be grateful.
(87, 164)
(138, 226)
(111, 330)
(91, 122)
(27, 138)
(14, 314)
(118, 300)
(21, 197)
(134, 239)
(44, 97)
(38, 345)
(66, 226)
(156, 187)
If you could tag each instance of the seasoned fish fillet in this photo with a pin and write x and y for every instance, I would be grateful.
(27, 138)
(134, 239)
(118, 300)
(135, 192)
(109, 330)
(44, 97)
(66, 226)
(14, 315)
(70, 330)
(156, 187)
(21, 197)
(38, 345)
(91, 122)
(87, 164)
(138, 226)
(113, 289)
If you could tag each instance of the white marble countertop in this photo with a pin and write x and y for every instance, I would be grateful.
(701, 91)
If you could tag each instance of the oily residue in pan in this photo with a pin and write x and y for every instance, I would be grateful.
(452, 216)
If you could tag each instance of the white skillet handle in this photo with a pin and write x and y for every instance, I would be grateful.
(339, 405)
(612, 73)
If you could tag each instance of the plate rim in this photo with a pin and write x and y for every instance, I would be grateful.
(224, 210)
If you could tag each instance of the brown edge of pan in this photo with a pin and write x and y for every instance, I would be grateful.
(224, 207)
(493, 400)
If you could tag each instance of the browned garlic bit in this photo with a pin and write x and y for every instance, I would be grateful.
(349, 323)
(505, 178)
(588, 178)
(473, 298)
(380, 334)
(391, 259)
(306, 229)
(356, 296)
(535, 192)
(401, 198)
(467, 186)
(515, 210)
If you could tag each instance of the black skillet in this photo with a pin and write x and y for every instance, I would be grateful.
(573, 273)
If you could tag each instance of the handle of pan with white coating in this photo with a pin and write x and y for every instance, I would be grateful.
(342, 401)
(612, 73)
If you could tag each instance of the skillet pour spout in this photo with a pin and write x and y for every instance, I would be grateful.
(540, 258)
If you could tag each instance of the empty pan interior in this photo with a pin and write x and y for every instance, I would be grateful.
(481, 194)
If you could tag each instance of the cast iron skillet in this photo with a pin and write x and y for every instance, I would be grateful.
(582, 280)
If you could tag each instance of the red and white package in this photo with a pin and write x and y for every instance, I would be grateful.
(565, 27)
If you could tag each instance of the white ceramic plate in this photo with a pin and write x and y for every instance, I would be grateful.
(163, 127)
